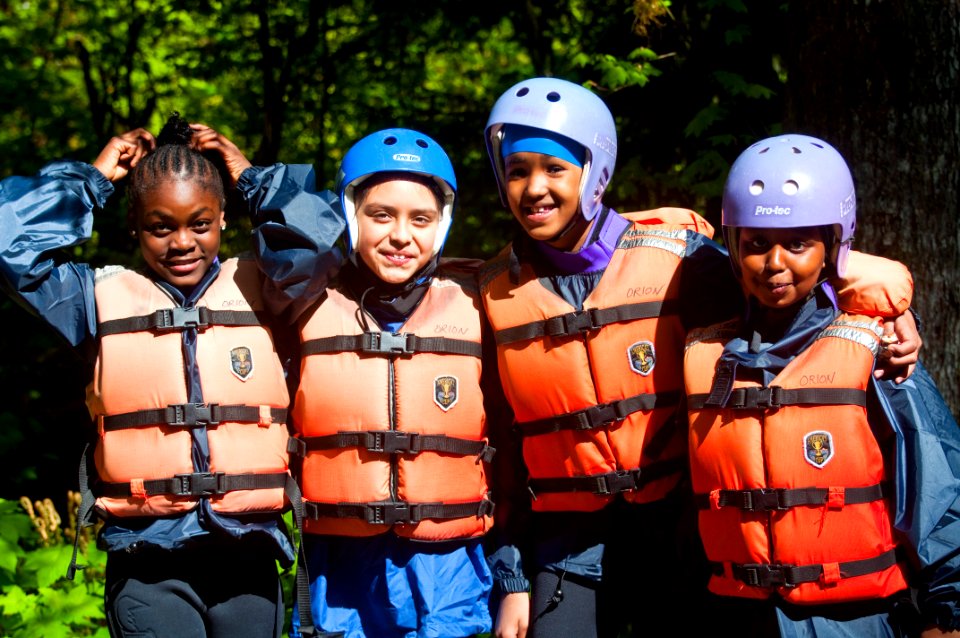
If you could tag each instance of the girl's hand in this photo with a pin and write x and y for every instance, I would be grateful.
(124, 152)
(899, 357)
(514, 616)
(207, 139)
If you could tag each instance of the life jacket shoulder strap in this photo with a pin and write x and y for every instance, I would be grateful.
(393, 442)
(179, 319)
(390, 344)
(587, 320)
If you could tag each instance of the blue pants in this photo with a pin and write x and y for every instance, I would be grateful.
(389, 587)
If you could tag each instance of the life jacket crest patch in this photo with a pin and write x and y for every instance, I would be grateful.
(445, 391)
(818, 448)
(241, 362)
(642, 357)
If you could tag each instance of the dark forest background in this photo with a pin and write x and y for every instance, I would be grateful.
(690, 82)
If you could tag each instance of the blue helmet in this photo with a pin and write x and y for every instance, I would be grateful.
(566, 109)
(791, 181)
(396, 150)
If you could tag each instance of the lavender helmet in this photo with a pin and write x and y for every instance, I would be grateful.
(569, 110)
(396, 150)
(791, 181)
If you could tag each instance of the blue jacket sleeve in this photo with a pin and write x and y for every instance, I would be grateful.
(295, 234)
(39, 217)
(709, 292)
(927, 505)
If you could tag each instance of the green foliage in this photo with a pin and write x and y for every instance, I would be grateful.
(36, 600)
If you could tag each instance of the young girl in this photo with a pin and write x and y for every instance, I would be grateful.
(188, 395)
(823, 494)
(390, 411)
(590, 309)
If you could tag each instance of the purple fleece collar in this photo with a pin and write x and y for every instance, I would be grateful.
(595, 255)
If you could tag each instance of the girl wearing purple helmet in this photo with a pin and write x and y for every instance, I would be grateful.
(590, 310)
(828, 501)
(396, 392)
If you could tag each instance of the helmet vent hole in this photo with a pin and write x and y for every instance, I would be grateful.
(756, 187)
(796, 151)
(790, 187)
(523, 92)
(817, 145)
(422, 143)
(553, 96)
(390, 141)
(764, 150)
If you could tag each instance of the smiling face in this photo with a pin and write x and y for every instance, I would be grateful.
(178, 225)
(397, 224)
(780, 266)
(544, 195)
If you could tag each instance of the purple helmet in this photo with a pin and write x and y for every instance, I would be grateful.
(791, 181)
(569, 110)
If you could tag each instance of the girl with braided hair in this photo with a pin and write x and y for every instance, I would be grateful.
(188, 467)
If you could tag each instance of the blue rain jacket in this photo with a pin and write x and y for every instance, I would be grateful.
(40, 216)
(383, 586)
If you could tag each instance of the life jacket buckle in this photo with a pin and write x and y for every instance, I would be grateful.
(200, 485)
(387, 343)
(597, 416)
(390, 513)
(392, 442)
(764, 499)
(762, 574)
(194, 415)
(616, 482)
(580, 321)
(170, 319)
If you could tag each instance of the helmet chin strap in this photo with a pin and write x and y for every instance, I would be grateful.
(570, 225)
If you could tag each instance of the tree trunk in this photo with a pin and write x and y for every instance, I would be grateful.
(880, 79)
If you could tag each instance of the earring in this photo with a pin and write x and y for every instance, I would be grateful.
(223, 226)
(133, 233)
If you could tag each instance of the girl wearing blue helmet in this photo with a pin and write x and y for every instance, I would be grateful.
(590, 309)
(828, 501)
(390, 411)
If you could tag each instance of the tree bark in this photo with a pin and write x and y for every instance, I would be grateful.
(880, 79)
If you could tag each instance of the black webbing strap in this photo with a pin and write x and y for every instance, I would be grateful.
(175, 319)
(607, 484)
(586, 320)
(191, 415)
(197, 485)
(390, 344)
(767, 575)
(396, 512)
(393, 442)
(85, 511)
(769, 499)
(773, 397)
(599, 415)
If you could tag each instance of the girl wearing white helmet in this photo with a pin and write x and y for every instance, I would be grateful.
(590, 309)
(795, 448)
(393, 402)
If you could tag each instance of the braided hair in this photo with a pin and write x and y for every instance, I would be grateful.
(173, 159)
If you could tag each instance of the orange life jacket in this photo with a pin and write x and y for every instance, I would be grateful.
(392, 425)
(595, 391)
(139, 399)
(790, 478)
